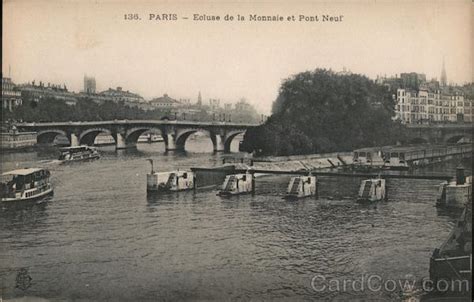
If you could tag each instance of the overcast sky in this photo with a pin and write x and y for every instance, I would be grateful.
(60, 41)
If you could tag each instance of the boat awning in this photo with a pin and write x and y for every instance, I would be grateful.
(26, 171)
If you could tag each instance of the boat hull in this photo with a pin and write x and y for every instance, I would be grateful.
(43, 194)
(68, 161)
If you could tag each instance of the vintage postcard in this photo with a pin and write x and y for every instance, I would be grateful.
(236, 150)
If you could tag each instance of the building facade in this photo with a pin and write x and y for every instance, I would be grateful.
(11, 96)
(118, 95)
(214, 105)
(165, 102)
(412, 79)
(36, 92)
(424, 105)
(89, 84)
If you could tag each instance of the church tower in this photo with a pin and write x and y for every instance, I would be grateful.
(444, 79)
(199, 102)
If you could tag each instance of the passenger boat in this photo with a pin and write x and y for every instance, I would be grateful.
(172, 181)
(301, 186)
(236, 184)
(25, 184)
(79, 153)
(371, 190)
(150, 138)
(451, 263)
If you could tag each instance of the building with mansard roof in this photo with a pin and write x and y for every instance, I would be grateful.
(165, 102)
(118, 95)
(11, 96)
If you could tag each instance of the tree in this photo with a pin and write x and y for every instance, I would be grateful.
(320, 111)
(54, 110)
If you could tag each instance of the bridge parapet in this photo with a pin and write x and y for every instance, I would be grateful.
(439, 133)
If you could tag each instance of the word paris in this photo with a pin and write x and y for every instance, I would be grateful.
(251, 17)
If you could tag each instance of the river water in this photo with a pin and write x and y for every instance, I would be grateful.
(99, 238)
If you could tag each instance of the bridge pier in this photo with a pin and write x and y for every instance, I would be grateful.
(121, 143)
(74, 140)
(218, 143)
(170, 142)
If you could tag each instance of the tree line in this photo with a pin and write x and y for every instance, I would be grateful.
(55, 110)
(321, 111)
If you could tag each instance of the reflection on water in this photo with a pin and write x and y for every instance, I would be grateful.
(100, 237)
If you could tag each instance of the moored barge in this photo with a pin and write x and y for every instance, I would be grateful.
(172, 181)
(405, 157)
(451, 263)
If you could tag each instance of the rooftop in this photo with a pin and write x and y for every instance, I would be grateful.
(25, 171)
(165, 99)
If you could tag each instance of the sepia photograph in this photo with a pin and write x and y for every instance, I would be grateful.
(236, 150)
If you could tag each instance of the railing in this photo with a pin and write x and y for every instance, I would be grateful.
(126, 122)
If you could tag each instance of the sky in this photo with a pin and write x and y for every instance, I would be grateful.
(59, 41)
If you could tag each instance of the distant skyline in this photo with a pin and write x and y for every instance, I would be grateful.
(61, 41)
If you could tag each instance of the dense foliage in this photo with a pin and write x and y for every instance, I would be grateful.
(468, 90)
(321, 111)
(49, 110)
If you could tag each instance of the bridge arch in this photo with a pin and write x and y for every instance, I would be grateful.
(182, 136)
(48, 136)
(455, 138)
(229, 137)
(133, 134)
(88, 136)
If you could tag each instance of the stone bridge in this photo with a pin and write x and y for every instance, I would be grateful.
(127, 132)
(439, 133)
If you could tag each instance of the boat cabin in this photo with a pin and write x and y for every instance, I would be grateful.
(370, 157)
(78, 153)
(396, 158)
(301, 186)
(149, 138)
(452, 261)
(371, 190)
(237, 184)
(24, 184)
(170, 181)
